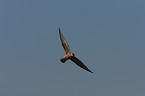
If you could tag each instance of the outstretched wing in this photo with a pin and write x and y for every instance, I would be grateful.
(64, 42)
(79, 63)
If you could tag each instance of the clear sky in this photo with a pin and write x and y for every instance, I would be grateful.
(107, 35)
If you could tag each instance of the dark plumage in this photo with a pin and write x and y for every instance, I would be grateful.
(69, 54)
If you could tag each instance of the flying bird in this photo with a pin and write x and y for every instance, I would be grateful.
(70, 55)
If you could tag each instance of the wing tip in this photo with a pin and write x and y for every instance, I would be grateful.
(59, 29)
(90, 71)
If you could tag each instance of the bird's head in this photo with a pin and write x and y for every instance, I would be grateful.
(73, 54)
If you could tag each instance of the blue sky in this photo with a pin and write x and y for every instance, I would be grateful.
(107, 35)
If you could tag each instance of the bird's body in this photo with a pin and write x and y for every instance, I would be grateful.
(66, 57)
(70, 55)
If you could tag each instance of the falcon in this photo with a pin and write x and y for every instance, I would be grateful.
(70, 55)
